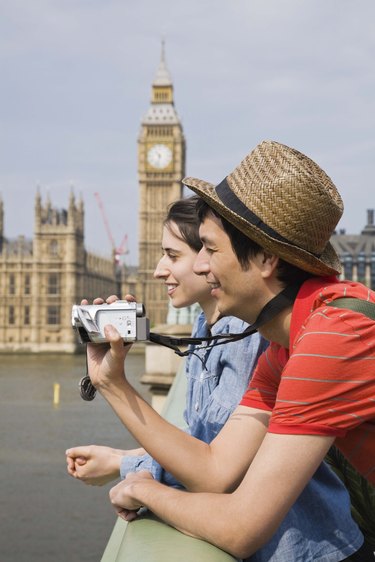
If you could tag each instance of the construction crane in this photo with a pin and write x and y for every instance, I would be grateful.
(120, 250)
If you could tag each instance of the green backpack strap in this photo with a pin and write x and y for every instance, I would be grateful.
(361, 491)
(359, 305)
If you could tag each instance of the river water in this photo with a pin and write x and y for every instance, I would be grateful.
(45, 514)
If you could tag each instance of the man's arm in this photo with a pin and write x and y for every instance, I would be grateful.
(240, 522)
(195, 464)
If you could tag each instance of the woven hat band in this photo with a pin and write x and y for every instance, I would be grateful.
(232, 202)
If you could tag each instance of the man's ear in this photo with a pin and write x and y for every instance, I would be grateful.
(269, 264)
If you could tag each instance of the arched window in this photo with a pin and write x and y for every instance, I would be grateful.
(27, 286)
(26, 313)
(11, 315)
(361, 267)
(12, 284)
(53, 248)
(347, 266)
(53, 315)
(372, 271)
(53, 284)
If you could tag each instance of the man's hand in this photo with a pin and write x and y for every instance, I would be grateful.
(94, 464)
(105, 362)
(121, 495)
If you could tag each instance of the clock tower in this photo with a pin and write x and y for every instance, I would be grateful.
(161, 167)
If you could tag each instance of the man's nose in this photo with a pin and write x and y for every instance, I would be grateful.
(201, 265)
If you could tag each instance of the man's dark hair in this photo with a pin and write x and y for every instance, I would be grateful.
(245, 248)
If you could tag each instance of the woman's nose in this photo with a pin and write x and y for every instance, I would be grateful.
(161, 271)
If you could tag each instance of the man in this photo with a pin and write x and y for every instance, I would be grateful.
(265, 228)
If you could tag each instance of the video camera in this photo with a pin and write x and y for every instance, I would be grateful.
(128, 317)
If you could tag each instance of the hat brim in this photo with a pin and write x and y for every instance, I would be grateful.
(327, 263)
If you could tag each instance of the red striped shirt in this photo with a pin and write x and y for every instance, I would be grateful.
(326, 384)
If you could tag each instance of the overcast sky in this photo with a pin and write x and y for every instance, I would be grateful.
(76, 81)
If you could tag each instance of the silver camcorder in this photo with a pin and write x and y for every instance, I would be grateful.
(128, 317)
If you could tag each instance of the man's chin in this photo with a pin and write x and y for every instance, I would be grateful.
(227, 310)
(223, 309)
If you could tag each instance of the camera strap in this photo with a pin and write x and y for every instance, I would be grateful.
(268, 312)
(284, 299)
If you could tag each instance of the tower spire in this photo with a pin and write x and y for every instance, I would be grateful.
(38, 209)
(162, 103)
(162, 77)
(1, 220)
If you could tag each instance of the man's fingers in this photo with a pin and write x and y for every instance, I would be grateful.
(131, 515)
(113, 336)
(130, 298)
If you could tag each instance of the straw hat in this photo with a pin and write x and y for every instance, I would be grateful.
(282, 200)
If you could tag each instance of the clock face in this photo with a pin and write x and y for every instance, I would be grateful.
(159, 156)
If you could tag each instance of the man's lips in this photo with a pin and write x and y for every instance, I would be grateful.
(214, 289)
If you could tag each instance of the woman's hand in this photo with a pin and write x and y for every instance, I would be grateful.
(94, 464)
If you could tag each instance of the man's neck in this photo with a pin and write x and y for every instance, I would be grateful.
(277, 330)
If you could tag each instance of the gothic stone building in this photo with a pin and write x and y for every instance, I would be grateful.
(40, 280)
(357, 253)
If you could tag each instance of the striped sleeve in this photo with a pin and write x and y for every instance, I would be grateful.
(327, 385)
(263, 386)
